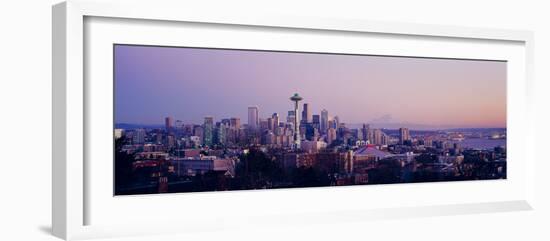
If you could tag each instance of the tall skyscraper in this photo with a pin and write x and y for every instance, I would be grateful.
(235, 123)
(198, 131)
(270, 124)
(324, 121)
(377, 137)
(221, 134)
(264, 124)
(365, 132)
(290, 116)
(253, 118)
(385, 139)
(331, 124)
(276, 121)
(139, 136)
(306, 114)
(404, 135)
(168, 124)
(208, 130)
(316, 120)
(296, 98)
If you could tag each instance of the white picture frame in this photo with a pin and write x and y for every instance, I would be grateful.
(72, 191)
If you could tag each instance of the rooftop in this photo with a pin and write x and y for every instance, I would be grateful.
(371, 151)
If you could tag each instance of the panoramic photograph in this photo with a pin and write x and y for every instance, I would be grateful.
(190, 119)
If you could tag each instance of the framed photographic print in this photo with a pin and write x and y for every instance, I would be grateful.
(177, 131)
(179, 121)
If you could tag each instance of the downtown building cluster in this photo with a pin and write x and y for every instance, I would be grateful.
(273, 131)
(303, 149)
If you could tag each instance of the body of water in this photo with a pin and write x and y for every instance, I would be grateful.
(482, 143)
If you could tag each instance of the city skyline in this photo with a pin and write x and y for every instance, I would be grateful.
(170, 82)
(241, 120)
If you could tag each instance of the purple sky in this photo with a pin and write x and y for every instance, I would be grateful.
(190, 83)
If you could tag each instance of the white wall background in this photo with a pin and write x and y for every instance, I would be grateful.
(25, 122)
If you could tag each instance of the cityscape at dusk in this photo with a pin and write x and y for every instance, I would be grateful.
(200, 119)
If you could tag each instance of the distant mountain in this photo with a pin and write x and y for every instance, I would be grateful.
(421, 127)
(399, 125)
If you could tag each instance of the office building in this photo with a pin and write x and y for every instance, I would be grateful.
(324, 121)
(306, 114)
(331, 135)
(270, 124)
(119, 133)
(253, 118)
(364, 133)
(276, 122)
(235, 123)
(139, 136)
(290, 116)
(208, 130)
(168, 124)
(316, 120)
(404, 135)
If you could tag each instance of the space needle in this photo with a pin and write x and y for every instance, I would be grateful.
(296, 98)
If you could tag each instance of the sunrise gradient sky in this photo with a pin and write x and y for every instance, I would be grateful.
(189, 83)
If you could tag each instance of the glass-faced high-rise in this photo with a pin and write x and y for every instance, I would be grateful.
(208, 130)
(324, 121)
(253, 119)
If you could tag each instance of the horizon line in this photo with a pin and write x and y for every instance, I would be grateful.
(404, 126)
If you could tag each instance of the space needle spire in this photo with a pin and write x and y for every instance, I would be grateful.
(296, 98)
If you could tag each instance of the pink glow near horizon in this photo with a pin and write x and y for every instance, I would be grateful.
(188, 84)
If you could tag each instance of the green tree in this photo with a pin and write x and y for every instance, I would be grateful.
(257, 170)
(123, 166)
